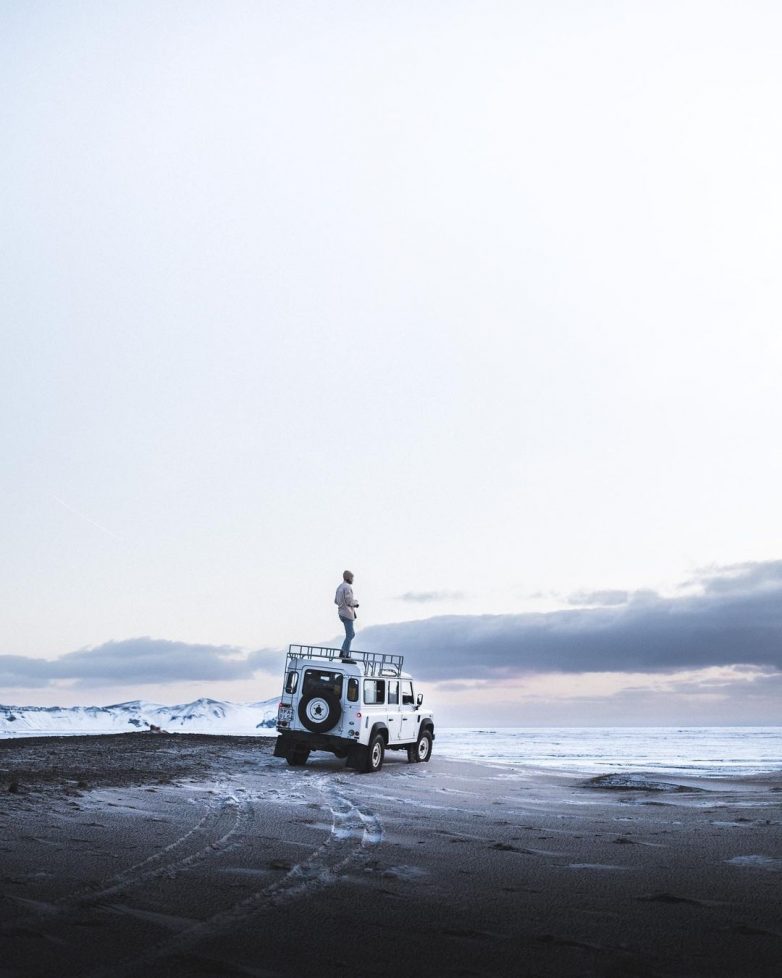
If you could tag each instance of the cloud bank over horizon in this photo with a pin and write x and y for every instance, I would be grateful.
(141, 660)
(733, 619)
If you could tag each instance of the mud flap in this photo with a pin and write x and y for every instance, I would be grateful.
(282, 746)
(357, 757)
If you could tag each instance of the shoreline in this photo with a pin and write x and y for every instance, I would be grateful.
(459, 743)
(204, 855)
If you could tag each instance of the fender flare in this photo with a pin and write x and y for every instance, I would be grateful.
(377, 728)
(358, 752)
(427, 724)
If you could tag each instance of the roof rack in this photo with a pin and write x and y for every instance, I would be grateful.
(375, 663)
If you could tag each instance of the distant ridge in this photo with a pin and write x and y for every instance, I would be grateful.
(203, 715)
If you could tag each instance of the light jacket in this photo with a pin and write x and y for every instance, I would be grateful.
(345, 601)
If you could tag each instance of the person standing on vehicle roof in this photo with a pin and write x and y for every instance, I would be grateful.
(346, 608)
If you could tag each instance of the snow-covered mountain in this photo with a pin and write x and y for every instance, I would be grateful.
(201, 716)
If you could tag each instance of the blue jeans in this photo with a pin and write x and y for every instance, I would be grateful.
(350, 633)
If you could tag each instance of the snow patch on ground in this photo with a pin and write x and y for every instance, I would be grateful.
(637, 782)
(405, 872)
(598, 866)
(757, 862)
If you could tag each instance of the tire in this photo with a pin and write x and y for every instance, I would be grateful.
(376, 750)
(319, 711)
(298, 757)
(421, 750)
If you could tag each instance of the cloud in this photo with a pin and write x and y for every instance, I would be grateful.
(136, 661)
(716, 695)
(598, 597)
(736, 619)
(740, 578)
(20, 670)
(423, 597)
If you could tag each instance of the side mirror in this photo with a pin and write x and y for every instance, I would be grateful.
(420, 699)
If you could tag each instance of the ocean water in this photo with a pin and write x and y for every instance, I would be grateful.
(703, 751)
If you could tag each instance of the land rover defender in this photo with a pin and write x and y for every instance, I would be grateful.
(357, 708)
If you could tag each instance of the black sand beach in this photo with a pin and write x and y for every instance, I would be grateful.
(141, 854)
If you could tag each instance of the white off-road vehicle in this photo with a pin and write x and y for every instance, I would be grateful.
(357, 708)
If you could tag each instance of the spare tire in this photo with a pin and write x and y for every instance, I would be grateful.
(319, 710)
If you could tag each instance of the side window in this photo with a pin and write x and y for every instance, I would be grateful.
(352, 690)
(393, 692)
(407, 694)
(374, 691)
(292, 681)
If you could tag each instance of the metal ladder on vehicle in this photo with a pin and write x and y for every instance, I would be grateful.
(375, 663)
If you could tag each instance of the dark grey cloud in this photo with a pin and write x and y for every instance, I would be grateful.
(20, 670)
(724, 625)
(424, 597)
(136, 660)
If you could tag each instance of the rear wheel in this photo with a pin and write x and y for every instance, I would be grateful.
(298, 757)
(421, 750)
(375, 754)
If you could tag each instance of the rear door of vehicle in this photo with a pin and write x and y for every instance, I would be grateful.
(324, 680)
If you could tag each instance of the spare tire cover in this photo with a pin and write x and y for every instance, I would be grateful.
(319, 710)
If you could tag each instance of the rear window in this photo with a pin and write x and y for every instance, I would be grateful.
(352, 690)
(374, 691)
(317, 679)
(292, 681)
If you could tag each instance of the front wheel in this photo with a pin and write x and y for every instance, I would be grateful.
(422, 749)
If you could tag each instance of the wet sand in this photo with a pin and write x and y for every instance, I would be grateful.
(138, 854)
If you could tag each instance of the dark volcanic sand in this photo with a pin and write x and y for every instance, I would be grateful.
(140, 855)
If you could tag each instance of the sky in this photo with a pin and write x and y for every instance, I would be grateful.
(477, 299)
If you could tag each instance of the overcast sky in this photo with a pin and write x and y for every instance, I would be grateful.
(478, 299)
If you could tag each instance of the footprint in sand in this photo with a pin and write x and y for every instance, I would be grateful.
(606, 867)
(507, 847)
(668, 898)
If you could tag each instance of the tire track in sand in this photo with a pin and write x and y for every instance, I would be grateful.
(355, 832)
(233, 816)
(228, 815)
